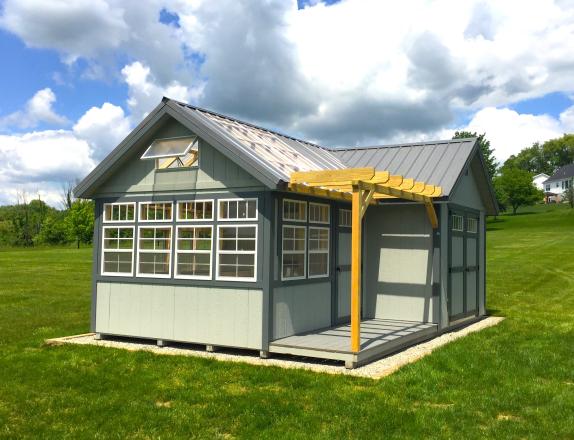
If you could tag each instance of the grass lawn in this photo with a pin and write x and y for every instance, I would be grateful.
(515, 380)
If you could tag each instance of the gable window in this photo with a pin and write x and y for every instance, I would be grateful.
(237, 209)
(193, 252)
(457, 223)
(472, 225)
(195, 210)
(154, 251)
(176, 152)
(237, 252)
(345, 218)
(293, 252)
(294, 210)
(155, 212)
(119, 212)
(117, 250)
(318, 252)
(319, 213)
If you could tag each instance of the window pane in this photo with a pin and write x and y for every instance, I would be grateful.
(248, 232)
(228, 232)
(319, 213)
(193, 264)
(154, 263)
(294, 210)
(237, 266)
(117, 262)
(318, 264)
(293, 265)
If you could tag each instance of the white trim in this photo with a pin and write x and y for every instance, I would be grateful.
(141, 220)
(328, 252)
(234, 219)
(154, 251)
(290, 219)
(185, 251)
(163, 156)
(218, 252)
(118, 204)
(461, 223)
(346, 211)
(328, 222)
(132, 250)
(177, 219)
(284, 252)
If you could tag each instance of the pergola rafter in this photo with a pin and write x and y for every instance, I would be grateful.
(362, 187)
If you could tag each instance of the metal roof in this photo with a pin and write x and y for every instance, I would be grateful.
(438, 163)
(565, 172)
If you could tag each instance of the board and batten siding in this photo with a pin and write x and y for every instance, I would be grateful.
(399, 261)
(215, 171)
(228, 317)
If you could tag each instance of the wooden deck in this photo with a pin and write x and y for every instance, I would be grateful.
(379, 337)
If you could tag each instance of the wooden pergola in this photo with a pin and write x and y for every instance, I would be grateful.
(362, 187)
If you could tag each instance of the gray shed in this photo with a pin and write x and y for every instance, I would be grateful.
(213, 231)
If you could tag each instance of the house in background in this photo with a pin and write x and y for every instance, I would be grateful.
(217, 232)
(539, 180)
(559, 182)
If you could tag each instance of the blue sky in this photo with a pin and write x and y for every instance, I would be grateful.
(77, 77)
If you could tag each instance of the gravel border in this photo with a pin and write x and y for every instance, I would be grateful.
(373, 370)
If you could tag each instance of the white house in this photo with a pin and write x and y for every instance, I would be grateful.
(559, 182)
(539, 180)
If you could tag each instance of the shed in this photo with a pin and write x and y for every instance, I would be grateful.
(214, 231)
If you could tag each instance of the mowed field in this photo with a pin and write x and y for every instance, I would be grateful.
(515, 380)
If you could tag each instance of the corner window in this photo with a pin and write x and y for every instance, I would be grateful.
(472, 225)
(117, 251)
(318, 252)
(237, 253)
(195, 210)
(457, 223)
(119, 212)
(294, 210)
(154, 251)
(237, 209)
(193, 252)
(345, 218)
(293, 252)
(155, 212)
(319, 213)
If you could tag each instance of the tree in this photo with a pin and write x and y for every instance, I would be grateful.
(484, 146)
(500, 194)
(545, 158)
(518, 187)
(569, 194)
(54, 229)
(80, 221)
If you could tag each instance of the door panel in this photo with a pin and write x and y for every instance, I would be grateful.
(344, 275)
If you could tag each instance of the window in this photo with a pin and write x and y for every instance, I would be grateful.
(155, 212)
(457, 223)
(119, 212)
(318, 252)
(345, 218)
(117, 250)
(237, 253)
(565, 184)
(548, 187)
(178, 152)
(294, 210)
(154, 251)
(293, 254)
(319, 213)
(193, 252)
(195, 210)
(472, 225)
(237, 209)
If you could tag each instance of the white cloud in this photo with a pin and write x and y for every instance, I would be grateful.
(38, 109)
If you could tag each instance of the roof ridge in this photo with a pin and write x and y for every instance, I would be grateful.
(406, 144)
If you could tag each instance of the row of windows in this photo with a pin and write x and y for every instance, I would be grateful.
(564, 184)
(458, 224)
(192, 210)
(236, 251)
(296, 211)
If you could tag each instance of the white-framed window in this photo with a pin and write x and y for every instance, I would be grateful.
(195, 210)
(155, 211)
(293, 252)
(193, 252)
(237, 209)
(119, 212)
(319, 213)
(294, 210)
(318, 252)
(237, 252)
(457, 222)
(154, 252)
(548, 187)
(472, 225)
(117, 250)
(345, 218)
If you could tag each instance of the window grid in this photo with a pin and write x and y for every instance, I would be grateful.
(294, 210)
(154, 251)
(155, 211)
(457, 223)
(319, 213)
(319, 244)
(113, 212)
(294, 252)
(472, 225)
(237, 209)
(115, 252)
(195, 210)
(237, 248)
(200, 242)
(345, 218)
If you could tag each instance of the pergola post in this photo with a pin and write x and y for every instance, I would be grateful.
(356, 226)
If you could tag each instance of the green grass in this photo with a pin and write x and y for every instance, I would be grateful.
(515, 380)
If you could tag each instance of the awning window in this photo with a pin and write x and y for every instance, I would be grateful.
(169, 147)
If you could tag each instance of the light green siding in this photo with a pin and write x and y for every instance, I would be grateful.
(301, 307)
(466, 192)
(398, 264)
(205, 315)
(215, 171)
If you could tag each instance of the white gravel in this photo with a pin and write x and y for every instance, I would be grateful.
(374, 370)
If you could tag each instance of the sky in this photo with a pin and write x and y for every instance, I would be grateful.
(77, 76)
